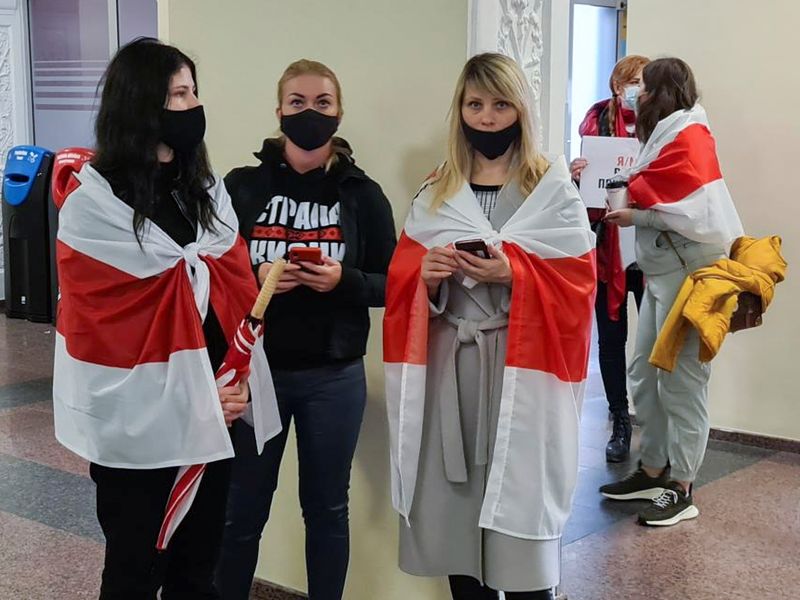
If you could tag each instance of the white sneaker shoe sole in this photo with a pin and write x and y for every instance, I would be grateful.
(648, 494)
(690, 512)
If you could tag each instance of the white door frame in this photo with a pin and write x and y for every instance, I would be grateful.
(17, 116)
(536, 34)
(618, 4)
(16, 102)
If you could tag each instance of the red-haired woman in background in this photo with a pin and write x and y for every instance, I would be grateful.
(614, 117)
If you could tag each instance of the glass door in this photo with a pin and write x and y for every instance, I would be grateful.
(71, 43)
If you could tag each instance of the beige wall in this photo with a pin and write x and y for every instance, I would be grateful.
(397, 61)
(741, 55)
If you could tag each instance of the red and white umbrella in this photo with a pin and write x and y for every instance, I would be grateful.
(234, 368)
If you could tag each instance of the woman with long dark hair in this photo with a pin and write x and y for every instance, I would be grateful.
(685, 220)
(154, 280)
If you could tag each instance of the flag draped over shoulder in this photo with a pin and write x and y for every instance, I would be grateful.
(551, 249)
(677, 173)
(133, 385)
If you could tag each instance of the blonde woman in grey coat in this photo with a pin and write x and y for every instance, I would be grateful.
(486, 336)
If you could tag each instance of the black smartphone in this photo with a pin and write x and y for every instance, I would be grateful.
(475, 247)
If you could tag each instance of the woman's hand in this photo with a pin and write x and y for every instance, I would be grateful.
(622, 217)
(286, 283)
(234, 401)
(576, 167)
(496, 269)
(437, 265)
(320, 278)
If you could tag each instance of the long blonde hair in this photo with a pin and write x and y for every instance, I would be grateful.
(501, 77)
(305, 66)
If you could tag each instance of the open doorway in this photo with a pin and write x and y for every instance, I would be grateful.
(597, 31)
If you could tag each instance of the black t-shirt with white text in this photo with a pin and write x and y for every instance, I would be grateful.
(299, 210)
(303, 210)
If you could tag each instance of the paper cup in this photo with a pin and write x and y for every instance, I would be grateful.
(617, 198)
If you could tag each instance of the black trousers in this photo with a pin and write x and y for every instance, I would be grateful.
(130, 508)
(612, 337)
(463, 587)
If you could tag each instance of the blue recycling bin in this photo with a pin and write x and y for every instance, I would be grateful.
(26, 248)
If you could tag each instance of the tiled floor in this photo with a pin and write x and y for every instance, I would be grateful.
(745, 545)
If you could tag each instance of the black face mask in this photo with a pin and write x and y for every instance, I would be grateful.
(183, 130)
(492, 143)
(309, 129)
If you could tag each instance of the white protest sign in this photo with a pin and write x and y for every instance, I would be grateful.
(606, 156)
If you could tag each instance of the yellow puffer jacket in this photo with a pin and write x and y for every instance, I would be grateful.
(709, 297)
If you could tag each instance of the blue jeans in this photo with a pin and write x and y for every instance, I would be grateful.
(327, 404)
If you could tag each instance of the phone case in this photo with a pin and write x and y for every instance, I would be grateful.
(312, 255)
(476, 247)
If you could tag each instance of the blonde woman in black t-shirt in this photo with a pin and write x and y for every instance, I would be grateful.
(307, 193)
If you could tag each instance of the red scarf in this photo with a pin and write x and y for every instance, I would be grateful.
(610, 269)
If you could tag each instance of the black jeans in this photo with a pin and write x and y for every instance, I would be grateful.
(611, 338)
(327, 405)
(463, 587)
(130, 508)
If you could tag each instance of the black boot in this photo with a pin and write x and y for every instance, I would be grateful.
(619, 446)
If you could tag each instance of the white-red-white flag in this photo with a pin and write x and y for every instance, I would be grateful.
(551, 249)
(677, 173)
(133, 385)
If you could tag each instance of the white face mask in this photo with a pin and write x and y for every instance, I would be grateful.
(629, 96)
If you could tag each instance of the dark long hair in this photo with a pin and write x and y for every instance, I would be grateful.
(128, 131)
(669, 86)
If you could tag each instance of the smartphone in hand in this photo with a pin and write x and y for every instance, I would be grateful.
(476, 247)
(300, 254)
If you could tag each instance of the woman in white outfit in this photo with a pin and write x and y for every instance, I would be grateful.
(685, 220)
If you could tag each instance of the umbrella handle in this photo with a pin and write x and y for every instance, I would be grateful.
(267, 289)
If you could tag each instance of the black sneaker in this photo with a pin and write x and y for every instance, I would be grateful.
(670, 508)
(636, 486)
(619, 446)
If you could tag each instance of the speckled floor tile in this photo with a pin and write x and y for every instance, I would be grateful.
(50, 496)
(263, 590)
(744, 545)
(41, 563)
(26, 350)
(27, 433)
(14, 395)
